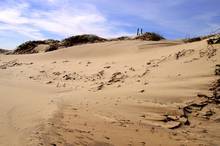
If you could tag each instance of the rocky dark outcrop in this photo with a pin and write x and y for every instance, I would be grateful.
(150, 36)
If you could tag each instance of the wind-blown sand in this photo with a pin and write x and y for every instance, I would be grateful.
(122, 93)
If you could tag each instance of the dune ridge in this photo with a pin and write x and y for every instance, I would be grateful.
(127, 92)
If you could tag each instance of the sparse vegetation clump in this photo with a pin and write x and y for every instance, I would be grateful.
(51, 45)
(150, 36)
(81, 39)
(121, 38)
(28, 47)
(3, 51)
(214, 40)
(190, 40)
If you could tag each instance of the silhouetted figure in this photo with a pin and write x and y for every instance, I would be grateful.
(141, 31)
(138, 32)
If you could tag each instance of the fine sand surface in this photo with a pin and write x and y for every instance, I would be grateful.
(121, 93)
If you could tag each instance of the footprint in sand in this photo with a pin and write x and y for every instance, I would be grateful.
(141, 91)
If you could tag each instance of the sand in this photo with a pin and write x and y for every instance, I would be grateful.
(121, 93)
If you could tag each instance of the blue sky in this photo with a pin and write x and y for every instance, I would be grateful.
(22, 20)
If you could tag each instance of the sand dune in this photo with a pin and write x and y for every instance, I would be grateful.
(118, 93)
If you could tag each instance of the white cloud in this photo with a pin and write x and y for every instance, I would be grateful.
(24, 30)
(63, 20)
(51, 0)
(12, 16)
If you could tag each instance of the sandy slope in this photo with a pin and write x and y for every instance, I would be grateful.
(113, 93)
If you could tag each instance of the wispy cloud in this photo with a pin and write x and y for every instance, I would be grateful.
(64, 20)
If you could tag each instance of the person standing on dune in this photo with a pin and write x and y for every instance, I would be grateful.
(138, 32)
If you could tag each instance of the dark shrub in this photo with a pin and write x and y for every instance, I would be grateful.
(150, 36)
(81, 39)
(190, 40)
(28, 47)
